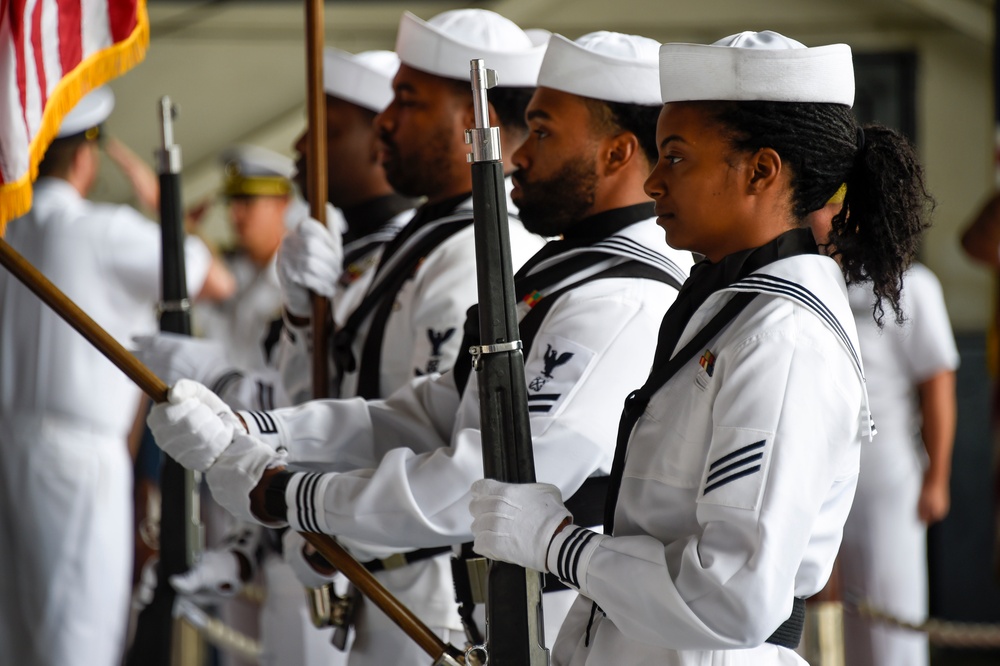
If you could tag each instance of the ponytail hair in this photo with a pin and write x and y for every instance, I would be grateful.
(876, 235)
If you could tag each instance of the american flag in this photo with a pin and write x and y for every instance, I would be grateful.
(52, 53)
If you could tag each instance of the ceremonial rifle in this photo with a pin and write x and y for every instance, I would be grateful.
(180, 521)
(514, 635)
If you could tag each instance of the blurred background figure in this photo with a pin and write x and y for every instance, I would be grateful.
(904, 484)
(904, 481)
(65, 411)
(259, 191)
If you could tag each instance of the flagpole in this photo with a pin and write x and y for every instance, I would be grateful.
(156, 389)
(320, 599)
(316, 193)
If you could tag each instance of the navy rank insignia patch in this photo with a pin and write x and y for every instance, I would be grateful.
(437, 339)
(554, 371)
(735, 475)
(551, 360)
(735, 465)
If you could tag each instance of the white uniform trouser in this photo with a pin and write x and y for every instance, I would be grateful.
(287, 633)
(66, 534)
(883, 559)
(378, 640)
(426, 588)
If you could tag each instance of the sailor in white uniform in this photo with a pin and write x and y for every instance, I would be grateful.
(259, 192)
(407, 318)
(365, 214)
(65, 410)
(592, 301)
(415, 299)
(904, 481)
(357, 87)
(904, 484)
(738, 458)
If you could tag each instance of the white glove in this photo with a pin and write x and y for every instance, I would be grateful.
(194, 426)
(292, 544)
(515, 522)
(173, 357)
(215, 575)
(310, 258)
(142, 596)
(238, 470)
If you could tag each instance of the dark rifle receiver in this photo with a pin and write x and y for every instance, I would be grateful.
(514, 635)
(179, 513)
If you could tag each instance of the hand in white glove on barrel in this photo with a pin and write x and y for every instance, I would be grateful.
(515, 522)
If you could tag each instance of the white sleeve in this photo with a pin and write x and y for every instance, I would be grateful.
(197, 261)
(928, 338)
(414, 500)
(133, 254)
(355, 433)
(731, 582)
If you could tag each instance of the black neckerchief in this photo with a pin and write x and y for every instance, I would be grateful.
(369, 216)
(589, 231)
(708, 278)
(426, 213)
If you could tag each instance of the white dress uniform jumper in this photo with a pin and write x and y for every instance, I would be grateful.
(750, 449)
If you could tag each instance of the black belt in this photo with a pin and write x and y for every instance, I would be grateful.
(402, 559)
(790, 632)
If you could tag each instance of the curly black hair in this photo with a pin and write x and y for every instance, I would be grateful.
(877, 233)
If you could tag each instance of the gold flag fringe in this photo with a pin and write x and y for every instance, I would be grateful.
(91, 73)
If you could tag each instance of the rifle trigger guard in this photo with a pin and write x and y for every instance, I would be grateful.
(478, 351)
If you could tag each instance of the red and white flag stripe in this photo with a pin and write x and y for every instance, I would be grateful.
(52, 53)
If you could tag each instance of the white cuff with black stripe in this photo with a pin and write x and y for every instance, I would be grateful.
(264, 426)
(570, 552)
(304, 499)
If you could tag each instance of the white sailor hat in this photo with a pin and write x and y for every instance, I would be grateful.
(252, 171)
(604, 65)
(757, 66)
(88, 113)
(364, 79)
(445, 44)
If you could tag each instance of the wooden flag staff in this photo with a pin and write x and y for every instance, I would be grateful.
(316, 193)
